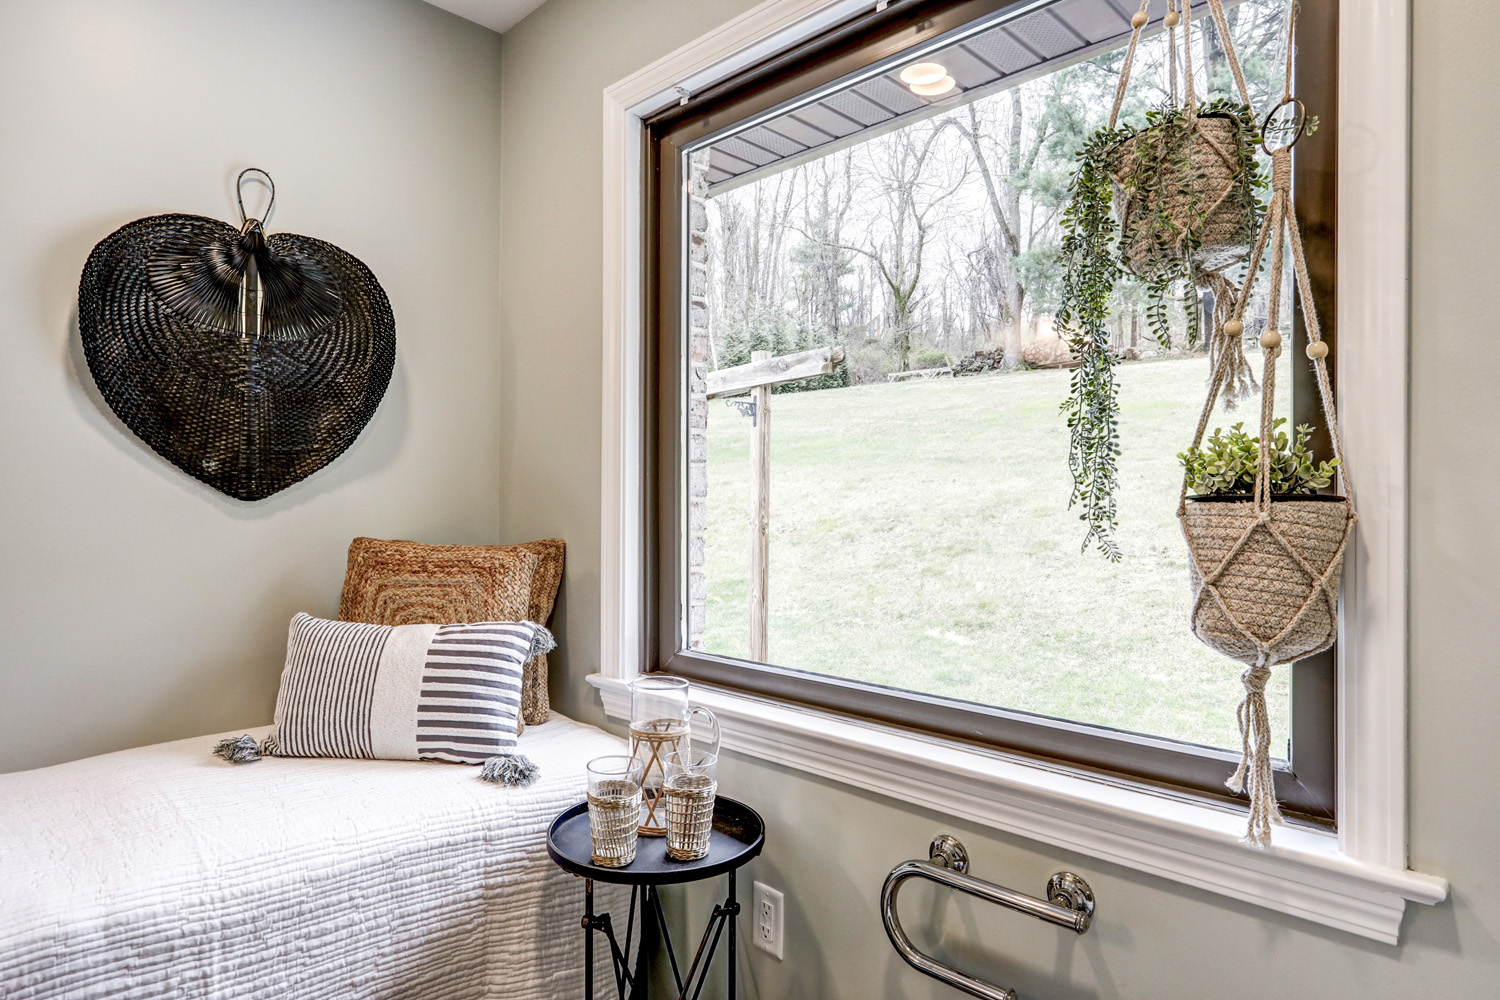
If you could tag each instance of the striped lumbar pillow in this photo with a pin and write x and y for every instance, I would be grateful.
(403, 692)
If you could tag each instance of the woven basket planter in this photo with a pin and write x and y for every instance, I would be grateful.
(1205, 201)
(1277, 586)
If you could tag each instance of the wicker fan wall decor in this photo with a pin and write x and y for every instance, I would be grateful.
(248, 360)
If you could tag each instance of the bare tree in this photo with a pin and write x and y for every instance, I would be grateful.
(913, 185)
(1005, 152)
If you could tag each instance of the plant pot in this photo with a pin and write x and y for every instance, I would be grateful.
(1266, 591)
(1206, 200)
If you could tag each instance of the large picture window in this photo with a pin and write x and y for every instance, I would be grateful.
(860, 498)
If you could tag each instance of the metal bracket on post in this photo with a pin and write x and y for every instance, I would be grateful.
(746, 408)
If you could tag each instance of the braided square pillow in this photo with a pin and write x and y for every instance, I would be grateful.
(404, 583)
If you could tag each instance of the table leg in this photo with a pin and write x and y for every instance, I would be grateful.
(588, 939)
(641, 981)
(734, 912)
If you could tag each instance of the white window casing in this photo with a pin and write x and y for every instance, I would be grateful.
(1356, 880)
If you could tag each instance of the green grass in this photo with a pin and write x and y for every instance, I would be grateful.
(920, 538)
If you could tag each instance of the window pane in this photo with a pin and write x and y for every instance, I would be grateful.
(919, 534)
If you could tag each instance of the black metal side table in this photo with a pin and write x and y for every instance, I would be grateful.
(738, 835)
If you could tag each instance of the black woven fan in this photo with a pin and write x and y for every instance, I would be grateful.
(247, 360)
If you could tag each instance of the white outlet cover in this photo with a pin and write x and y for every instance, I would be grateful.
(767, 917)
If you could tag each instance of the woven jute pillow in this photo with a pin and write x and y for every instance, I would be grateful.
(406, 583)
(1265, 590)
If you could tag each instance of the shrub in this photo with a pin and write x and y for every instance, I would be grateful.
(930, 357)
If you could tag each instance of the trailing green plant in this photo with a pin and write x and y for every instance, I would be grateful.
(1227, 463)
(1158, 174)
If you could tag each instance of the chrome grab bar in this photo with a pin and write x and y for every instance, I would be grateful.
(1069, 903)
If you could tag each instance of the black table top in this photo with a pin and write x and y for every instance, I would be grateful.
(738, 835)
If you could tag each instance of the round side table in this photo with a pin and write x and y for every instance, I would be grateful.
(738, 835)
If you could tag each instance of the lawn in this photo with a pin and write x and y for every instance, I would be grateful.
(920, 537)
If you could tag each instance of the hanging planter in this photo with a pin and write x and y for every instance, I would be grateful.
(1184, 191)
(1174, 204)
(1260, 598)
(1265, 571)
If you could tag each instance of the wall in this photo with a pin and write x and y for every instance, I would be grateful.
(137, 605)
(829, 847)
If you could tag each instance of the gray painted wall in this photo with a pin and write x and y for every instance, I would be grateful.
(137, 605)
(829, 847)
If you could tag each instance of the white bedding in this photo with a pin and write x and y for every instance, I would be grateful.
(166, 872)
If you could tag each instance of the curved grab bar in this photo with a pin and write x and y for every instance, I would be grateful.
(1069, 903)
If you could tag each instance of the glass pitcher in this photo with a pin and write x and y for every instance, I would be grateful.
(661, 723)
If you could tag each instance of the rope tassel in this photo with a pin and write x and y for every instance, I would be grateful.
(1254, 776)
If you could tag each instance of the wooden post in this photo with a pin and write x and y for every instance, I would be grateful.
(760, 516)
(757, 378)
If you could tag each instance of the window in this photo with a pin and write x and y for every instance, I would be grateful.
(921, 566)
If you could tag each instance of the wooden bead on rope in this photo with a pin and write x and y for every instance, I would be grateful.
(1234, 328)
(1138, 19)
(1171, 19)
(1270, 340)
(1317, 349)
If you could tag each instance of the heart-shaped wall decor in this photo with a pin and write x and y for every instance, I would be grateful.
(247, 360)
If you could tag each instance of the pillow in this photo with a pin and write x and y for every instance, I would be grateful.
(402, 583)
(404, 692)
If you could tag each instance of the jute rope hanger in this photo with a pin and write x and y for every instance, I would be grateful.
(1315, 581)
(1215, 176)
(1138, 23)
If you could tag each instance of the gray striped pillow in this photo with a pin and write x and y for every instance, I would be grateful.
(402, 692)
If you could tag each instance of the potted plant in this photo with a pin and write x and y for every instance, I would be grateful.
(1223, 469)
(1173, 203)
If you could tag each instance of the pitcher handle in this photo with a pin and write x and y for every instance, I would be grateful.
(713, 722)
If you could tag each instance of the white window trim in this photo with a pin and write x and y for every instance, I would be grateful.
(1356, 880)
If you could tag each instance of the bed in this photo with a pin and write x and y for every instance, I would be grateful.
(165, 872)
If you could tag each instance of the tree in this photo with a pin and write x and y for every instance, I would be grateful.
(912, 181)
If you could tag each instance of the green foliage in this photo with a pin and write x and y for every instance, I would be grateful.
(1227, 463)
(836, 379)
(774, 331)
(930, 357)
(1092, 407)
(1090, 255)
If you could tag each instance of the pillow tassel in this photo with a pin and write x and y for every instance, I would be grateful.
(541, 639)
(516, 770)
(238, 749)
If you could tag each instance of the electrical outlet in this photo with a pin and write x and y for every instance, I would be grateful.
(767, 917)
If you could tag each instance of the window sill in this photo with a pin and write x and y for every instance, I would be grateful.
(1303, 874)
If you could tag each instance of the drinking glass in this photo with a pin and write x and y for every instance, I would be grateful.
(689, 791)
(614, 808)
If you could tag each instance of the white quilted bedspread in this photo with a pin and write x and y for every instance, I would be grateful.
(165, 872)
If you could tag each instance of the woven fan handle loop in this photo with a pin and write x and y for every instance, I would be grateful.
(239, 193)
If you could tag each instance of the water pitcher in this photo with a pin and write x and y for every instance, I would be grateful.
(660, 723)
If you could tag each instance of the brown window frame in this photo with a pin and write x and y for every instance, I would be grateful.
(1305, 784)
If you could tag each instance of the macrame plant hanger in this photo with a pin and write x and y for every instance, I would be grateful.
(1266, 573)
(1205, 274)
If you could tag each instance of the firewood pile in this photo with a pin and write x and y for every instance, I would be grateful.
(979, 362)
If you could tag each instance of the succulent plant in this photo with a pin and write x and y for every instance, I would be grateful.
(1227, 462)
